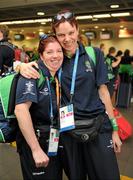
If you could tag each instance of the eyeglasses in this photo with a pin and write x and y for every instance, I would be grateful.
(67, 15)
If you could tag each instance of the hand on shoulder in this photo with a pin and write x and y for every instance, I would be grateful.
(28, 70)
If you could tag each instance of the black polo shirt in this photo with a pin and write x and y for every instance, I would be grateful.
(89, 77)
(6, 56)
(27, 90)
(115, 69)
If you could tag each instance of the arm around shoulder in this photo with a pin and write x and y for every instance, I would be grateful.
(28, 70)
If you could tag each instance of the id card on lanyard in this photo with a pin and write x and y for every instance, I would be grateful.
(67, 112)
(53, 142)
(54, 133)
(66, 118)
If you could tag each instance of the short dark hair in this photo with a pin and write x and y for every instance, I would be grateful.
(127, 52)
(119, 53)
(112, 50)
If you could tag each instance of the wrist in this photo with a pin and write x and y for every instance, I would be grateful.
(114, 124)
(18, 67)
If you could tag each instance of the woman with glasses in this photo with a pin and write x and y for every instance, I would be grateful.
(37, 111)
(84, 93)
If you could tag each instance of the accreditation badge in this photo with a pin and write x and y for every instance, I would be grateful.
(66, 118)
(53, 142)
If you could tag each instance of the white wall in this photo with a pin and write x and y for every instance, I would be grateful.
(119, 44)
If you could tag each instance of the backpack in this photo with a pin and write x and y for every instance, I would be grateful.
(6, 43)
(91, 53)
(108, 63)
(17, 51)
(8, 121)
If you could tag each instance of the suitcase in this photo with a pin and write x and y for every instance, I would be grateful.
(125, 128)
(124, 94)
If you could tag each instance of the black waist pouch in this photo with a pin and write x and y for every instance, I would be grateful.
(87, 130)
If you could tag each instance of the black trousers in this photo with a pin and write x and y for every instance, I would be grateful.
(95, 159)
(30, 172)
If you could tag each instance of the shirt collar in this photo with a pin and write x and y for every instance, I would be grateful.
(81, 51)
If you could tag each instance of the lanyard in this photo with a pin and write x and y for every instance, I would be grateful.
(57, 91)
(73, 74)
(50, 96)
(51, 105)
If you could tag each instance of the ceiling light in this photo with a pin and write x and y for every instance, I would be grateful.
(43, 20)
(113, 6)
(27, 21)
(96, 27)
(40, 13)
(84, 17)
(41, 33)
(40, 29)
(120, 14)
(43, 23)
(94, 19)
(101, 16)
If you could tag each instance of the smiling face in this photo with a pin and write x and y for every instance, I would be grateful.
(52, 56)
(67, 35)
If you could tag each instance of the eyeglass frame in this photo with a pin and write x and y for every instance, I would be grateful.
(66, 15)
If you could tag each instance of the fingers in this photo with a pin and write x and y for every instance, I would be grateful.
(43, 163)
(117, 147)
(32, 72)
(28, 70)
(41, 160)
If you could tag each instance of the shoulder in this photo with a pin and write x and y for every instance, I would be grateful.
(23, 81)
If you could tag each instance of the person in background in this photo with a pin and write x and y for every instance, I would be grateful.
(7, 56)
(35, 117)
(127, 58)
(33, 55)
(112, 63)
(102, 47)
(90, 98)
(117, 77)
(83, 39)
(116, 69)
(24, 56)
(6, 50)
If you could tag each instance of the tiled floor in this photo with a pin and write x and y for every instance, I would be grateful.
(10, 167)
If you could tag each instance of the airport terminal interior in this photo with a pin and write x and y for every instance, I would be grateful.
(103, 21)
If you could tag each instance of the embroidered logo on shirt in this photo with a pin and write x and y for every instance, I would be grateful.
(29, 88)
(44, 91)
(88, 66)
(38, 173)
